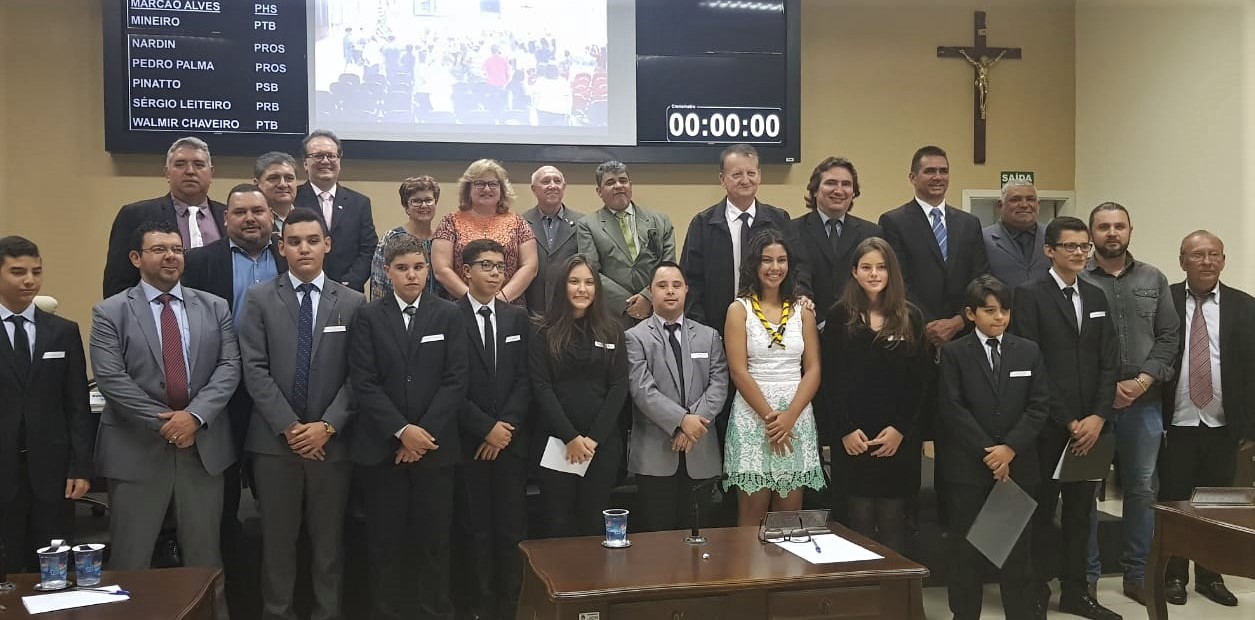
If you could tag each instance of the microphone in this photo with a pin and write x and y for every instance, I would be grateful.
(695, 536)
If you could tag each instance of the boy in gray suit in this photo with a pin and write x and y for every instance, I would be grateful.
(678, 379)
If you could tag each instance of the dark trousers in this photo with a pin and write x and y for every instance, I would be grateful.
(28, 522)
(1073, 521)
(573, 504)
(964, 502)
(491, 499)
(666, 502)
(1195, 457)
(408, 503)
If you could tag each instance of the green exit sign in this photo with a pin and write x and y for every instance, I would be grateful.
(1017, 175)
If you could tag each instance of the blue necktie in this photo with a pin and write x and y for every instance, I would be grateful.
(939, 231)
(304, 347)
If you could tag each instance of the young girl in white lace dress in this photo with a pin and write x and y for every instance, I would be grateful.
(771, 451)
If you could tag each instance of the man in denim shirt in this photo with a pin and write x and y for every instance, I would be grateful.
(1147, 325)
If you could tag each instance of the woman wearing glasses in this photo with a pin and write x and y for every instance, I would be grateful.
(484, 197)
(419, 196)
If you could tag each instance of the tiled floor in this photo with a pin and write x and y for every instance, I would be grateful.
(1111, 596)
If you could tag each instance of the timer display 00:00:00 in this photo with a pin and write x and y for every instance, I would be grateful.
(721, 125)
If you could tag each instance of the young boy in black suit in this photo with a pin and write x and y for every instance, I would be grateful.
(1067, 318)
(47, 431)
(994, 398)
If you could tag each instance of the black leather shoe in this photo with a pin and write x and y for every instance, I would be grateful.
(1217, 593)
(1086, 606)
(1133, 590)
(1174, 590)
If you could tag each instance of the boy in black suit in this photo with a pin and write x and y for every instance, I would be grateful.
(47, 431)
(492, 478)
(408, 369)
(994, 397)
(1067, 318)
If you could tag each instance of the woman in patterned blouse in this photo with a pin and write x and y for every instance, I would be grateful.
(419, 196)
(484, 197)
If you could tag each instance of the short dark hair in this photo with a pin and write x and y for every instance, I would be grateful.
(272, 158)
(401, 245)
(14, 246)
(151, 226)
(745, 150)
(243, 188)
(812, 186)
(982, 288)
(300, 216)
(321, 133)
(471, 252)
(1055, 228)
(610, 167)
(927, 151)
(1108, 206)
(414, 185)
(667, 263)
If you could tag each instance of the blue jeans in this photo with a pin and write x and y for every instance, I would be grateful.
(1139, 433)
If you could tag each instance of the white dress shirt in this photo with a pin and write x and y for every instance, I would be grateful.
(318, 283)
(479, 321)
(679, 333)
(29, 326)
(733, 215)
(1186, 412)
(1076, 295)
(989, 356)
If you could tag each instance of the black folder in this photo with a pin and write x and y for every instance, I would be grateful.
(1094, 465)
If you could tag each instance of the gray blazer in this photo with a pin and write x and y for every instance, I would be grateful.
(268, 348)
(551, 257)
(126, 358)
(1006, 261)
(656, 407)
(599, 238)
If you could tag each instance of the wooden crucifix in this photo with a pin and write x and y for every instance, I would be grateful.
(981, 57)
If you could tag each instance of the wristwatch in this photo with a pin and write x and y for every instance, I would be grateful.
(331, 430)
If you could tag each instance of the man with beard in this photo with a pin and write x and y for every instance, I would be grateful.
(275, 174)
(1014, 243)
(1147, 324)
(553, 223)
(345, 213)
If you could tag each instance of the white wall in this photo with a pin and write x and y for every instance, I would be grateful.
(1164, 107)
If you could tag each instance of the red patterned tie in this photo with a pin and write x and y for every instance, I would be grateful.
(172, 355)
(1200, 356)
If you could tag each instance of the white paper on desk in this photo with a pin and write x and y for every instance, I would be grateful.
(555, 458)
(70, 599)
(832, 549)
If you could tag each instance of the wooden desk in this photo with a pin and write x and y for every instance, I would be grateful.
(660, 576)
(1222, 539)
(167, 593)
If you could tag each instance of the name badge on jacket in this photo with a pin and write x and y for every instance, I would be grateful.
(54, 355)
(1021, 373)
(431, 338)
(514, 338)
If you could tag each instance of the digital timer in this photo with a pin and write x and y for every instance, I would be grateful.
(714, 124)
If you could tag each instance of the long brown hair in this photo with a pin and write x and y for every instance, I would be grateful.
(558, 322)
(893, 303)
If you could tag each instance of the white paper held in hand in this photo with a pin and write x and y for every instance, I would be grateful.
(555, 458)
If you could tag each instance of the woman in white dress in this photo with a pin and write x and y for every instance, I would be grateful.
(771, 451)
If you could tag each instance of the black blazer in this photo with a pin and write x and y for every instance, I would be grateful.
(1083, 365)
(353, 237)
(707, 260)
(583, 391)
(935, 286)
(210, 269)
(504, 394)
(52, 399)
(119, 273)
(822, 272)
(401, 379)
(1237, 359)
(978, 410)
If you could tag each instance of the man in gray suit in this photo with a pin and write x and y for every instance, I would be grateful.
(678, 378)
(1014, 243)
(624, 243)
(553, 223)
(295, 350)
(167, 362)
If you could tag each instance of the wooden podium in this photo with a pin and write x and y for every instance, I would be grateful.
(660, 576)
(1220, 538)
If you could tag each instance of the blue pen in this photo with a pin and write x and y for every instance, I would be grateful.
(104, 591)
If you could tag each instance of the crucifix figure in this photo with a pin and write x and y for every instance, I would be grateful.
(982, 58)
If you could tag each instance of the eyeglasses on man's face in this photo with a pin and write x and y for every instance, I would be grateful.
(489, 266)
(1072, 248)
(322, 156)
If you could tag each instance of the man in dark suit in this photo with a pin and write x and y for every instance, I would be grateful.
(1209, 407)
(553, 223)
(47, 431)
(1067, 318)
(492, 478)
(189, 171)
(344, 212)
(295, 347)
(718, 237)
(167, 362)
(1013, 243)
(828, 234)
(409, 374)
(275, 174)
(994, 398)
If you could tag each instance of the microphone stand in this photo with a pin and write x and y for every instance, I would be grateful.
(695, 535)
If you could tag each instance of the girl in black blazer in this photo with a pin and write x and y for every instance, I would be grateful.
(875, 367)
(579, 375)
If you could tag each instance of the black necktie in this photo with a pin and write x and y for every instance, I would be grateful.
(745, 232)
(679, 359)
(1069, 292)
(410, 311)
(304, 347)
(21, 345)
(834, 233)
(995, 356)
(490, 339)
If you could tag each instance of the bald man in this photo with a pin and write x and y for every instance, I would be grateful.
(554, 226)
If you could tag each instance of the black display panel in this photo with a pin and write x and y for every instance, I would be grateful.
(685, 77)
